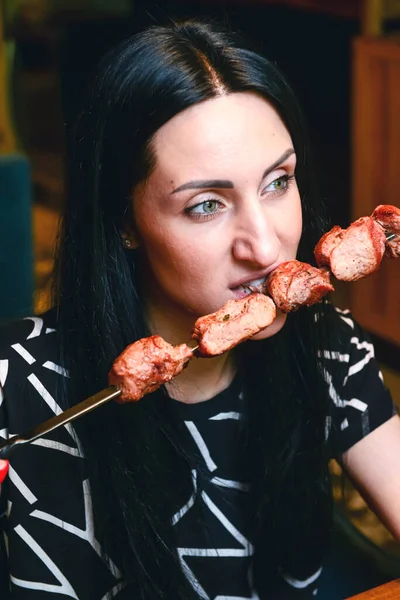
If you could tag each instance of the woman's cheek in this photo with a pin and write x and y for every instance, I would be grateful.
(181, 267)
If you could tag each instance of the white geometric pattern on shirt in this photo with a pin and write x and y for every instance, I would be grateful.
(87, 534)
(3, 377)
(367, 354)
(247, 548)
(64, 588)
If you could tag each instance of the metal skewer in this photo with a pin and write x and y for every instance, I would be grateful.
(390, 236)
(63, 418)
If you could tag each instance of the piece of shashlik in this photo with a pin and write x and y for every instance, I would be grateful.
(235, 322)
(145, 365)
(389, 218)
(354, 252)
(357, 251)
(294, 284)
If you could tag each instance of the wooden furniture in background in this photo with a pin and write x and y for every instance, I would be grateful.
(375, 14)
(376, 172)
(389, 591)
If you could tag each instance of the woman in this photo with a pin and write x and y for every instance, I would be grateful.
(183, 189)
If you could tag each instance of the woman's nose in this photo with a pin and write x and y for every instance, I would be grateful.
(256, 239)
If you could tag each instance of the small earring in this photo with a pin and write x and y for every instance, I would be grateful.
(126, 241)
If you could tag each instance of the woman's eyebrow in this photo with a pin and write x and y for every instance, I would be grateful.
(278, 162)
(206, 183)
(225, 183)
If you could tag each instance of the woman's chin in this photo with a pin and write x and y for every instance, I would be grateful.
(274, 328)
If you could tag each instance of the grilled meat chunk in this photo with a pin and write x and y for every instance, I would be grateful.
(389, 218)
(354, 252)
(294, 284)
(235, 322)
(327, 244)
(145, 365)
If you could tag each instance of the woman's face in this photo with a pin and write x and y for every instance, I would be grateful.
(221, 208)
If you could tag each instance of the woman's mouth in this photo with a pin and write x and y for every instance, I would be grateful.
(256, 285)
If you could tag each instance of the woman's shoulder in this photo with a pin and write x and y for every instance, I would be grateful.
(26, 344)
(32, 331)
(360, 400)
(30, 371)
(347, 347)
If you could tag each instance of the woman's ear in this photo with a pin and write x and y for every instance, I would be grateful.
(129, 235)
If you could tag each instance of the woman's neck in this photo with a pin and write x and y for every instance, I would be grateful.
(202, 379)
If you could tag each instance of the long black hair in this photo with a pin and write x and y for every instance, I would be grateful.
(138, 472)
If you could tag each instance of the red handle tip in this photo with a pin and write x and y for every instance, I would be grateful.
(4, 464)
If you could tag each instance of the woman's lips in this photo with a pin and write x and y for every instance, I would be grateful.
(254, 285)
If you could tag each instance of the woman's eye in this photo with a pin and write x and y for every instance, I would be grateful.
(208, 207)
(280, 184)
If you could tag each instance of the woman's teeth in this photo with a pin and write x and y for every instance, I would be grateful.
(256, 282)
(253, 286)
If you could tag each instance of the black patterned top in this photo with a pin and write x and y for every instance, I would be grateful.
(49, 550)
